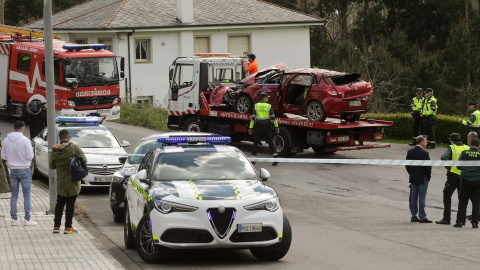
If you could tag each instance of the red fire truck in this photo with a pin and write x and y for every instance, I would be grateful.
(193, 80)
(86, 76)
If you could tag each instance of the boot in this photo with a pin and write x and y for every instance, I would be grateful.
(275, 163)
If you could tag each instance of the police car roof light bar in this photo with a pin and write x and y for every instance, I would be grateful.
(78, 120)
(211, 140)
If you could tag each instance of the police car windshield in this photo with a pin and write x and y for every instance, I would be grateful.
(141, 149)
(203, 166)
(93, 138)
(96, 71)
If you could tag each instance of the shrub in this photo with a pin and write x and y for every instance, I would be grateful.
(143, 115)
(403, 124)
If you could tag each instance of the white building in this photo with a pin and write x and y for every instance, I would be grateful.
(150, 34)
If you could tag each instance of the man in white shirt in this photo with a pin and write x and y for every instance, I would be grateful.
(18, 152)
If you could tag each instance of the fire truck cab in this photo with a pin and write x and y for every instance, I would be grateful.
(86, 78)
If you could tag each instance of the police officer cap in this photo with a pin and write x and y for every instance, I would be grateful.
(419, 90)
(455, 137)
(472, 103)
(264, 95)
(429, 90)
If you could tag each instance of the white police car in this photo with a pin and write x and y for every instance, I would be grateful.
(100, 146)
(195, 192)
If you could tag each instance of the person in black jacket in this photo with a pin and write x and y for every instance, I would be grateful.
(470, 188)
(419, 176)
(37, 117)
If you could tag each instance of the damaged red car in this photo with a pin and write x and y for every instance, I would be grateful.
(314, 93)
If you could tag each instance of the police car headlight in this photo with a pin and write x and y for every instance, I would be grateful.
(71, 103)
(166, 207)
(270, 205)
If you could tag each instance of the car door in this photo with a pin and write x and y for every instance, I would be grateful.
(41, 152)
(136, 191)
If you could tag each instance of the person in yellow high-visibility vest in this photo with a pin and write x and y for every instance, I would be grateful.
(261, 125)
(452, 152)
(416, 107)
(474, 122)
(429, 115)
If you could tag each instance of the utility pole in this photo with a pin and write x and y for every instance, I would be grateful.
(48, 39)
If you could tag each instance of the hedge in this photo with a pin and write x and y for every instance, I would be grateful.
(403, 124)
(143, 115)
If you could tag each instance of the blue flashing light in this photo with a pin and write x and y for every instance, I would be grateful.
(212, 140)
(78, 120)
(78, 47)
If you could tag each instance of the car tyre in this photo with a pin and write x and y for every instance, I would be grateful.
(118, 218)
(276, 251)
(146, 248)
(351, 117)
(127, 231)
(315, 111)
(244, 104)
(192, 124)
(283, 143)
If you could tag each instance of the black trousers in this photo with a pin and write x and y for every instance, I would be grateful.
(61, 201)
(452, 184)
(429, 129)
(417, 125)
(469, 190)
(263, 130)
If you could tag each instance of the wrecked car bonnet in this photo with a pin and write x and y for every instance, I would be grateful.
(210, 190)
(251, 79)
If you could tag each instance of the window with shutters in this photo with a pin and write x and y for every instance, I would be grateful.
(143, 51)
(202, 45)
(238, 44)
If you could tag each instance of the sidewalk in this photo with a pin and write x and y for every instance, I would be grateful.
(37, 247)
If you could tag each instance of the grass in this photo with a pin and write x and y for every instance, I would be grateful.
(144, 115)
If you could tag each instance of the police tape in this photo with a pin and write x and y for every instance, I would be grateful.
(389, 162)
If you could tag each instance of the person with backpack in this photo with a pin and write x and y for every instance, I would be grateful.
(67, 188)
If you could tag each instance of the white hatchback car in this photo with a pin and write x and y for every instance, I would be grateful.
(100, 146)
(196, 192)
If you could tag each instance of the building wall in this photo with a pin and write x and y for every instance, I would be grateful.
(271, 45)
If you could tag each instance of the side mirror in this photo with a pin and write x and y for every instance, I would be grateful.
(264, 174)
(122, 64)
(122, 74)
(125, 144)
(67, 61)
(142, 176)
(170, 74)
(122, 160)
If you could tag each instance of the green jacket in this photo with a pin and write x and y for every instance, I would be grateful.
(470, 173)
(60, 160)
(458, 148)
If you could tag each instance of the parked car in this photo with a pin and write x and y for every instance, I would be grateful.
(314, 93)
(100, 146)
(194, 192)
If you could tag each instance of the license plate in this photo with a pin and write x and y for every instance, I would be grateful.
(251, 227)
(104, 112)
(344, 138)
(355, 103)
(103, 178)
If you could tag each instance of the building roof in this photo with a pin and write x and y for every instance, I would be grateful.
(138, 14)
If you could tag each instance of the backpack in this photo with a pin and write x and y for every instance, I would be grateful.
(78, 168)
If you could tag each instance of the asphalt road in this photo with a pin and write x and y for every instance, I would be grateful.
(342, 216)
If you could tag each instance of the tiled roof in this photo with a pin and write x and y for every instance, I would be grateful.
(128, 14)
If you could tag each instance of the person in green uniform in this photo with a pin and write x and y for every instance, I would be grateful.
(474, 122)
(261, 125)
(416, 107)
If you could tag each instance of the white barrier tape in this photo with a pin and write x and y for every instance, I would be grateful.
(392, 162)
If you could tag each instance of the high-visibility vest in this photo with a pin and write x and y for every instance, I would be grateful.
(456, 151)
(427, 107)
(417, 104)
(263, 111)
(476, 124)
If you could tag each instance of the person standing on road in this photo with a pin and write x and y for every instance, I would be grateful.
(471, 135)
(452, 152)
(419, 176)
(260, 125)
(474, 122)
(252, 64)
(18, 152)
(67, 188)
(4, 178)
(429, 114)
(37, 117)
(416, 107)
(470, 188)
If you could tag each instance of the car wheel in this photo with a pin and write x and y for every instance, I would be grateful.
(244, 104)
(282, 143)
(192, 125)
(118, 218)
(146, 248)
(127, 231)
(351, 117)
(276, 251)
(315, 111)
